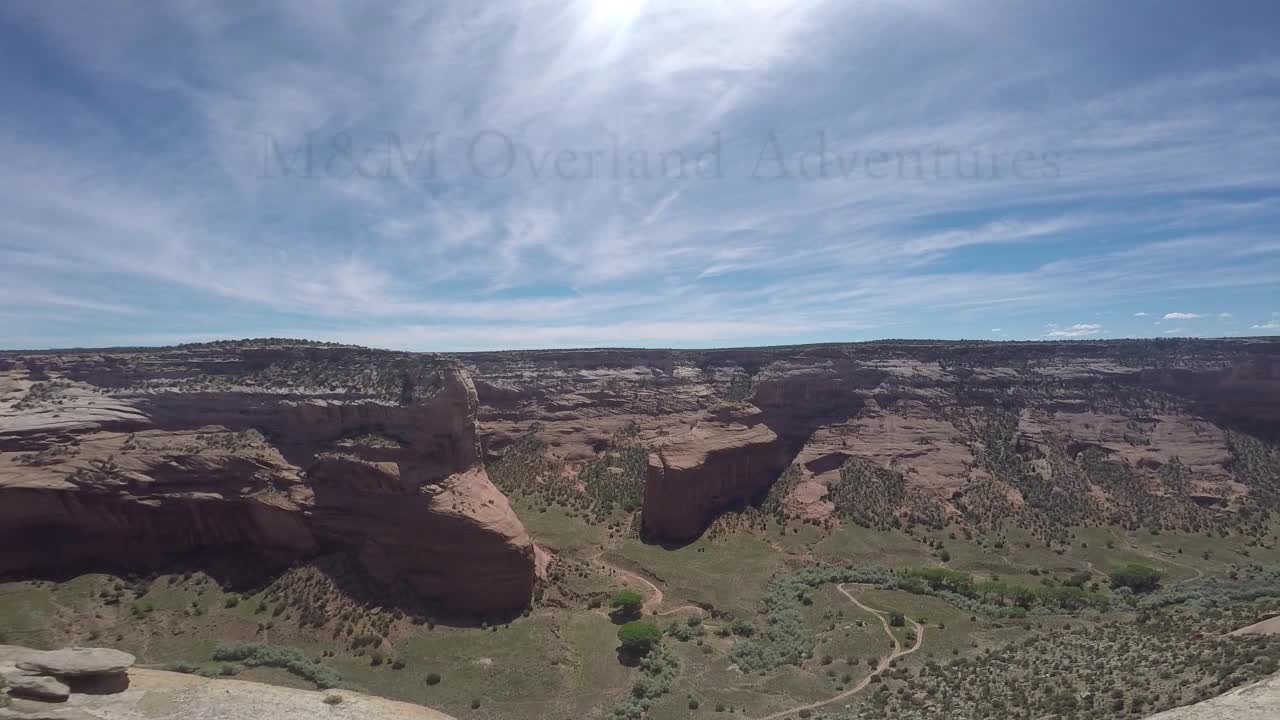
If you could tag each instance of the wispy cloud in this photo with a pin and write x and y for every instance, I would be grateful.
(1074, 331)
(995, 181)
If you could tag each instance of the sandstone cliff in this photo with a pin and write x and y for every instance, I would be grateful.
(291, 448)
(727, 459)
(1163, 433)
(135, 459)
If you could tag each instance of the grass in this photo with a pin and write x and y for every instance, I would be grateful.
(559, 529)
(882, 547)
(25, 612)
(561, 660)
(731, 576)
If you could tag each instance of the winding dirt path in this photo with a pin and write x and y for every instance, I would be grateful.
(885, 661)
(656, 597)
(682, 608)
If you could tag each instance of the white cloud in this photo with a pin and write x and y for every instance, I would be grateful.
(1269, 325)
(996, 330)
(1182, 316)
(1174, 331)
(88, 231)
(1225, 316)
(1077, 330)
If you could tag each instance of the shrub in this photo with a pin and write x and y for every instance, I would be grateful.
(285, 658)
(638, 638)
(1138, 578)
(433, 678)
(332, 699)
(657, 672)
(896, 619)
(181, 666)
(627, 604)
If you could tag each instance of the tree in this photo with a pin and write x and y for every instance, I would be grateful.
(896, 619)
(1138, 578)
(627, 604)
(638, 638)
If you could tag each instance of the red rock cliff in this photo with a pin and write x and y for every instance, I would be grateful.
(280, 454)
(726, 459)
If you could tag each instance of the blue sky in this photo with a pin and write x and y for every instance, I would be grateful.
(684, 173)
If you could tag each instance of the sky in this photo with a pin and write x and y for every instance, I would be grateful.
(469, 175)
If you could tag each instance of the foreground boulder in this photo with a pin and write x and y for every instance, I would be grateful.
(149, 694)
(49, 675)
(37, 687)
(275, 453)
(76, 662)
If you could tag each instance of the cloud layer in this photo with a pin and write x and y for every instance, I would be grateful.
(451, 175)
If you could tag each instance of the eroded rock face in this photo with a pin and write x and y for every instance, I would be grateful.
(295, 449)
(131, 460)
(725, 460)
(1155, 417)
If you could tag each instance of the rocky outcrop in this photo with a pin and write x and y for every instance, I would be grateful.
(1256, 701)
(725, 460)
(301, 447)
(50, 675)
(921, 410)
(75, 663)
(157, 695)
(261, 452)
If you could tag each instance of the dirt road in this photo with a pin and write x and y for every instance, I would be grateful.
(897, 652)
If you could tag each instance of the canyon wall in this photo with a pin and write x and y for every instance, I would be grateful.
(293, 449)
(134, 460)
(1118, 431)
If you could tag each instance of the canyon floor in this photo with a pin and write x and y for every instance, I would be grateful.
(560, 660)
(905, 531)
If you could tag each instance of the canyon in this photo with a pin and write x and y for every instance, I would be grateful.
(1119, 432)
(286, 450)
(135, 461)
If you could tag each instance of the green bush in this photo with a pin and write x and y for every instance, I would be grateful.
(433, 678)
(627, 603)
(657, 673)
(1138, 578)
(638, 637)
(285, 658)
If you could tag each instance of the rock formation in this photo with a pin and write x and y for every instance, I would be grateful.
(727, 459)
(1256, 701)
(51, 675)
(1126, 432)
(141, 694)
(292, 449)
(131, 460)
